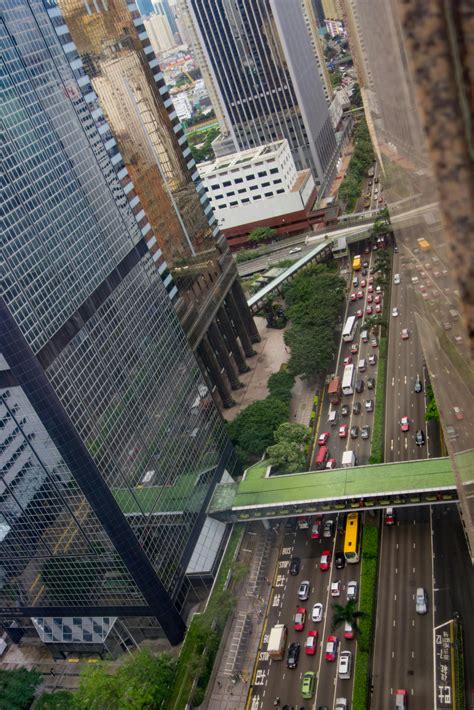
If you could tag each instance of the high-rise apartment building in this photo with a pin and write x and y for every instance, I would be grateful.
(110, 443)
(415, 95)
(263, 67)
(162, 7)
(123, 85)
(159, 32)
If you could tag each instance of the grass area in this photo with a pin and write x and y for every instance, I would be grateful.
(368, 588)
(199, 649)
(459, 665)
(163, 498)
(376, 455)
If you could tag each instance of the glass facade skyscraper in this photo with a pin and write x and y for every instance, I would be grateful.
(110, 442)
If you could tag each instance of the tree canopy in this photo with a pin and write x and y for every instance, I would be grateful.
(17, 688)
(289, 453)
(260, 234)
(347, 613)
(252, 429)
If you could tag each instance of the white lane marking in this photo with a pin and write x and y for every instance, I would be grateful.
(413, 570)
(406, 443)
(393, 381)
(414, 545)
(394, 597)
(396, 570)
(413, 622)
(394, 622)
(391, 444)
(405, 379)
(393, 654)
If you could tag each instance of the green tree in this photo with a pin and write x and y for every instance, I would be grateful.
(312, 349)
(287, 456)
(356, 98)
(59, 700)
(343, 613)
(372, 323)
(261, 234)
(293, 433)
(432, 413)
(280, 385)
(252, 429)
(17, 688)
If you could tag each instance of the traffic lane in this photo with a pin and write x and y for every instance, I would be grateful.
(454, 580)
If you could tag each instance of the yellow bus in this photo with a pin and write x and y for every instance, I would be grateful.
(352, 538)
(423, 244)
(356, 263)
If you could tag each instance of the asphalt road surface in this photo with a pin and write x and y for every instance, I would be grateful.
(403, 653)
(272, 678)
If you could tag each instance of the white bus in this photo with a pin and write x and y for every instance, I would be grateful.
(348, 380)
(349, 329)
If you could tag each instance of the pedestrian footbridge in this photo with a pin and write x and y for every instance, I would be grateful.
(263, 494)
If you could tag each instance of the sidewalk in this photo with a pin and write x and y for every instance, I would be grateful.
(301, 404)
(233, 677)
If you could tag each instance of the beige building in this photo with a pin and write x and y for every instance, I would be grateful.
(159, 32)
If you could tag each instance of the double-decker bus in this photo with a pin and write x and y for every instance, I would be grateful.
(350, 329)
(357, 261)
(348, 380)
(352, 538)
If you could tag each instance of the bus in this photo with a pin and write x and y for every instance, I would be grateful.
(423, 244)
(352, 538)
(349, 329)
(357, 262)
(322, 457)
(348, 380)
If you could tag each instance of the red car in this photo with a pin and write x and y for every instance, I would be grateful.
(325, 562)
(360, 294)
(323, 437)
(378, 308)
(401, 699)
(311, 643)
(370, 298)
(370, 288)
(347, 360)
(343, 431)
(348, 631)
(378, 298)
(369, 310)
(299, 619)
(359, 313)
(363, 283)
(316, 529)
(354, 348)
(331, 648)
(353, 296)
(405, 424)
(371, 279)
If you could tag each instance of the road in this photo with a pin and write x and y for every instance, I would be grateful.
(273, 678)
(403, 656)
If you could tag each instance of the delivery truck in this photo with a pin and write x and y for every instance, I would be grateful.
(348, 459)
(277, 642)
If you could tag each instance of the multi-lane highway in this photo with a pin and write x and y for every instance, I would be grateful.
(272, 678)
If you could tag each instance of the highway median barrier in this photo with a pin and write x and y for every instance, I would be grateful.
(377, 453)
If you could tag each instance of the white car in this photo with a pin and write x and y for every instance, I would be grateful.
(421, 601)
(396, 279)
(395, 312)
(317, 612)
(352, 589)
(336, 589)
(345, 663)
(295, 250)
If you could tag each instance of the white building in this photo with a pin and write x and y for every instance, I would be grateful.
(160, 34)
(182, 106)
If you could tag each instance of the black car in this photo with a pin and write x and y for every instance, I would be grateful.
(418, 385)
(364, 272)
(293, 655)
(356, 408)
(419, 438)
(370, 383)
(359, 386)
(339, 560)
(354, 432)
(295, 566)
(345, 410)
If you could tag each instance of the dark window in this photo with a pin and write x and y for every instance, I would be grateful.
(262, 174)
(280, 190)
(229, 194)
(215, 187)
(254, 187)
(238, 180)
(257, 197)
(227, 183)
(250, 177)
(269, 194)
(273, 171)
(218, 197)
(242, 189)
(265, 184)
(277, 182)
(232, 204)
(246, 199)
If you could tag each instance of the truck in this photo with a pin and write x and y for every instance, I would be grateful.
(334, 390)
(277, 642)
(348, 459)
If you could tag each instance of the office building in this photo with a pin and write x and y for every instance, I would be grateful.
(162, 7)
(262, 63)
(311, 22)
(425, 163)
(111, 444)
(159, 31)
(182, 106)
(145, 7)
(125, 87)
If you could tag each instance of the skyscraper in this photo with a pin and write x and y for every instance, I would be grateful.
(263, 66)
(125, 86)
(110, 443)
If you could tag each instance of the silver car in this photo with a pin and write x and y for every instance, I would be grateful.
(352, 589)
(303, 591)
(421, 601)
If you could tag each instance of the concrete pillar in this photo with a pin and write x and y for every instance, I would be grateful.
(245, 312)
(233, 343)
(220, 346)
(239, 325)
(207, 354)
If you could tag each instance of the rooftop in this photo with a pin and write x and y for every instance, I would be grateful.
(262, 153)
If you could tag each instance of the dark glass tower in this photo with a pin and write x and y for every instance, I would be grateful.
(110, 442)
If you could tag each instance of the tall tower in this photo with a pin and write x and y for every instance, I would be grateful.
(111, 444)
(263, 66)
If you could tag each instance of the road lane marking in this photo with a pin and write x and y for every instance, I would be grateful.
(405, 379)
(391, 444)
(394, 622)
(393, 381)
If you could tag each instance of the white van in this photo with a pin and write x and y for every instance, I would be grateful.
(365, 336)
(396, 279)
(362, 366)
(345, 664)
(332, 418)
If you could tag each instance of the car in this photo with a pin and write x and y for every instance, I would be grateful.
(380, 200)
(374, 343)
(336, 588)
(370, 280)
(343, 431)
(299, 619)
(421, 601)
(317, 612)
(295, 250)
(365, 432)
(354, 432)
(405, 424)
(378, 298)
(331, 648)
(401, 699)
(359, 386)
(323, 437)
(369, 405)
(395, 312)
(373, 359)
(389, 517)
(378, 289)
(353, 296)
(331, 463)
(365, 264)
(378, 308)
(325, 561)
(354, 348)
(369, 310)
(345, 410)
(363, 283)
(345, 665)
(418, 385)
(405, 334)
(363, 272)
(347, 360)
(419, 437)
(360, 294)
(348, 631)
(370, 298)
(396, 279)
(328, 528)
(355, 281)
(293, 655)
(370, 288)
(304, 590)
(356, 407)
(339, 560)
(341, 704)
(295, 566)
(352, 591)
(370, 383)
(308, 684)
(458, 413)
(359, 313)
(311, 643)
(316, 528)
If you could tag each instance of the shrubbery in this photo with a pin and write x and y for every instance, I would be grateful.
(376, 455)
(17, 688)
(362, 159)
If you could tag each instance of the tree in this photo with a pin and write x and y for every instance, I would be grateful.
(290, 457)
(280, 385)
(252, 429)
(374, 322)
(347, 613)
(293, 433)
(59, 700)
(312, 349)
(356, 98)
(431, 413)
(261, 234)
(17, 688)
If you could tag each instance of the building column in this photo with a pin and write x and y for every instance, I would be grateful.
(245, 311)
(220, 346)
(239, 325)
(207, 353)
(232, 341)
